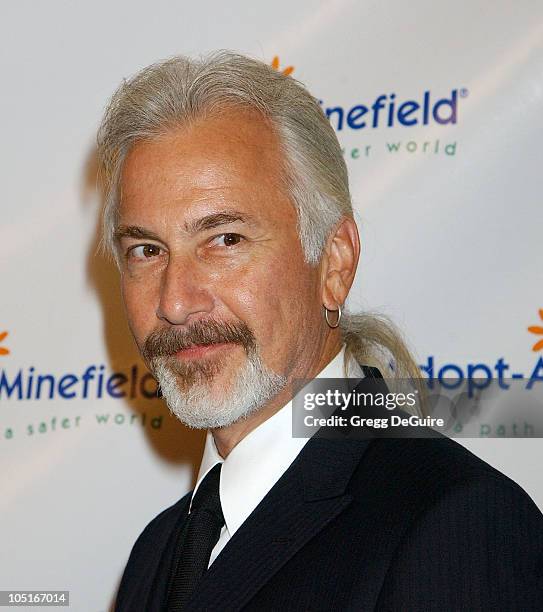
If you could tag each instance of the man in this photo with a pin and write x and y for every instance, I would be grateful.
(229, 215)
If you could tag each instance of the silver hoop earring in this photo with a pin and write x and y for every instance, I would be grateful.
(326, 311)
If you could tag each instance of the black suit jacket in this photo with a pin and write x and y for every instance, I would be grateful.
(374, 524)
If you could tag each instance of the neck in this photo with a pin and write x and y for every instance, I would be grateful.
(226, 438)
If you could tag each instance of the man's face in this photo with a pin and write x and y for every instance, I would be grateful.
(217, 292)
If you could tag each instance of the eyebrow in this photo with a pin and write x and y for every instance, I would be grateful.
(133, 231)
(192, 227)
(218, 219)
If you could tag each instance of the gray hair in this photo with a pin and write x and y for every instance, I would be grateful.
(181, 90)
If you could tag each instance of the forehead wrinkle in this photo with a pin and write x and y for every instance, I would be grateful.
(246, 199)
(190, 171)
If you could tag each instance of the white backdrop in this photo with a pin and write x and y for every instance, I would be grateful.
(451, 232)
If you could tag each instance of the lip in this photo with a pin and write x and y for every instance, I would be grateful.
(194, 352)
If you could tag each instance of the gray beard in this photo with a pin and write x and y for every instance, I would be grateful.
(194, 404)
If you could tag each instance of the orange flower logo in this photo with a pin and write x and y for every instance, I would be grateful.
(275, 65)
(3, 351)
(537, 329)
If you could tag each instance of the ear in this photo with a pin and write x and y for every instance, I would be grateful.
(339, 263)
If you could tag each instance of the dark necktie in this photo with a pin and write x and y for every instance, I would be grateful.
(198, 538)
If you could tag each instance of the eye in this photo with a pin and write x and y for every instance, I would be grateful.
(144, 251)
(227, 240)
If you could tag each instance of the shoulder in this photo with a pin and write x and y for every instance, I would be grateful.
(163, 523)
(467, 536)
(438, 473)
(430, 467)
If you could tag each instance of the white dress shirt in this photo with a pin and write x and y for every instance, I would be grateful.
(257, 462)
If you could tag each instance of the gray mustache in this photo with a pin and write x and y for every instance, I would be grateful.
(168, 341)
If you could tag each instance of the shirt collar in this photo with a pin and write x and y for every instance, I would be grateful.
(257, 462)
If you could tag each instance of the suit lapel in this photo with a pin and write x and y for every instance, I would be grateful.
(304, 500)
(156, 595)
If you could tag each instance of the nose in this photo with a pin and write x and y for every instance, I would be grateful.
(184, 293)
